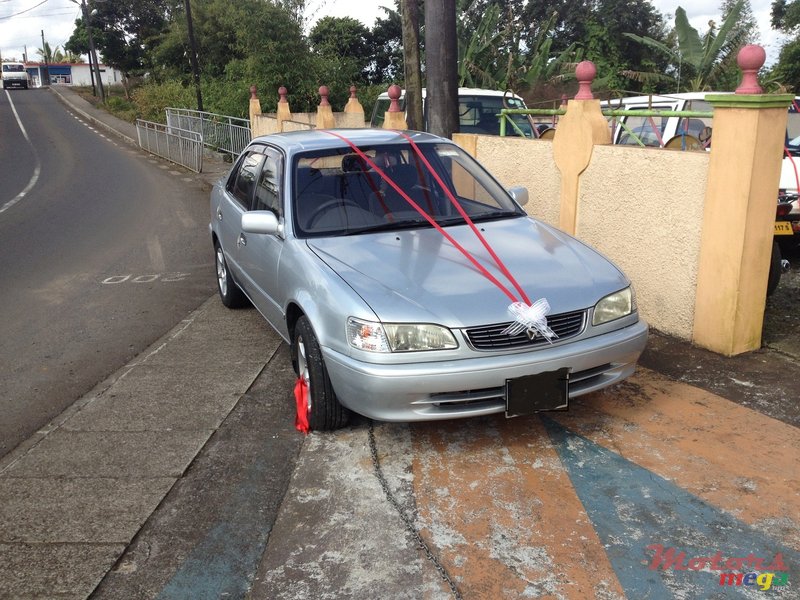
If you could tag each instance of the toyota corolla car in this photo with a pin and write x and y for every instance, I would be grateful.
(402, 274)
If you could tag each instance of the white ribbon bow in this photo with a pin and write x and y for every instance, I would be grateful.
(532, 319)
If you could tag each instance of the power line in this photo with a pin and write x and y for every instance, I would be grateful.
(23, 11)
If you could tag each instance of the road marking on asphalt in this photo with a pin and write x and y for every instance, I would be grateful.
(37, 169)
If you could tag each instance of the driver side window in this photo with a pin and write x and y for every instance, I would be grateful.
(268, 190)
(242, 185)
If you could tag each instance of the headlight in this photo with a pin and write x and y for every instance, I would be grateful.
(398, 337)
(614, 306)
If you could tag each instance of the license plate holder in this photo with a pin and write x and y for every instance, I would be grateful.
(536, 393)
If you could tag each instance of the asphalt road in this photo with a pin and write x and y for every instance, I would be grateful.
(104, 250)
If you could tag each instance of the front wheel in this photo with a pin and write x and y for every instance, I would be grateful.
(324, 410)
(229, 291)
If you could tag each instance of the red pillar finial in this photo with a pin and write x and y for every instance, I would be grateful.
(283, 92)
(353, 92)
(750, 59)
(394, 96)
(585, 73)
(253, 92)
(324, 92)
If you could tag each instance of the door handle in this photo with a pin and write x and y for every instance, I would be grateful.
(242, 241)
(219, 215)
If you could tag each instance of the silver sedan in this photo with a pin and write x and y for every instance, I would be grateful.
(402, 275)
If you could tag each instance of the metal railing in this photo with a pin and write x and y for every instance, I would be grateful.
(181, 146)
(219, 132)
(635, 137)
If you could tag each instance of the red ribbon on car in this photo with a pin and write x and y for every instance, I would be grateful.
(530, 316)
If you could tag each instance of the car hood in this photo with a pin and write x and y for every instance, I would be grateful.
(418, 276)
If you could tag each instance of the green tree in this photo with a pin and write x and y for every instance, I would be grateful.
(240, 44)
(125, 32)
(344, 47)
(786, 18)
(698, 62)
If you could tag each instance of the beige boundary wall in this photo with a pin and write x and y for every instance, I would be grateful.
(692, 230)
(641, 207)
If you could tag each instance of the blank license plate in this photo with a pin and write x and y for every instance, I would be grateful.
(535, 393)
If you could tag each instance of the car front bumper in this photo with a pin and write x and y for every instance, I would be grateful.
(476, 386)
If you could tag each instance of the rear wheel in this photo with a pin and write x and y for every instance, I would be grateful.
(324, 410)
(229, 291)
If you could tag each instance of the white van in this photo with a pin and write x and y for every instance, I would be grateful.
(694, 133)
(15, 75)
(477, 110)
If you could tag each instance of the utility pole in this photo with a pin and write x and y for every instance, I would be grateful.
(193, 55)
(91, 75)
(46, 72)
(92, 52)
(441, 62)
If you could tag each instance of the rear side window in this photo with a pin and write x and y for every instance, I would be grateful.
(243, 183)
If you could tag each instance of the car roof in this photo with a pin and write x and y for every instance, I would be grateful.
(319, 139)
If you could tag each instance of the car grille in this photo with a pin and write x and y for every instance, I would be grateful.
(490, 337)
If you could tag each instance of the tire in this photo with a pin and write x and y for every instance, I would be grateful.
(325, 412)
(229, 292)
(774, 269)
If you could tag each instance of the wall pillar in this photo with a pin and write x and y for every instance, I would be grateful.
(744, 170)
(579, 130)
(255, 108)
(283, 111)
(394, 117)
(325, 118)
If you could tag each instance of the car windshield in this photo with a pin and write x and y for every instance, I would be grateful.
(13, 68)
(337, 192)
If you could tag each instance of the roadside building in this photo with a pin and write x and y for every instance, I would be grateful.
(70, 74)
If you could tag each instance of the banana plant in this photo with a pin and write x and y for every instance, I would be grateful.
(702, 55)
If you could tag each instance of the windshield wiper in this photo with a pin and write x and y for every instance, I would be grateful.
(389, 226)
(497, 214)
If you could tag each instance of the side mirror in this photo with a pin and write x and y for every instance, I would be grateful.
(519, 194)
(260, 221)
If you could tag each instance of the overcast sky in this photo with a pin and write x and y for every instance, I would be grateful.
(22, 21)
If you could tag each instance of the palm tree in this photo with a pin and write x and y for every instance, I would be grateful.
(702, 57)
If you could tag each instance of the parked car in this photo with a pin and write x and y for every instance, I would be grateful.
(385, 315)
(15, 75)
(478, 111)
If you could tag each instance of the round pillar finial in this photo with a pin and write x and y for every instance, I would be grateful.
(750, 59)
(394, 96)
(324, 92)
(585, 73)
(253, 92)
(353, 91)
(283, 93)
